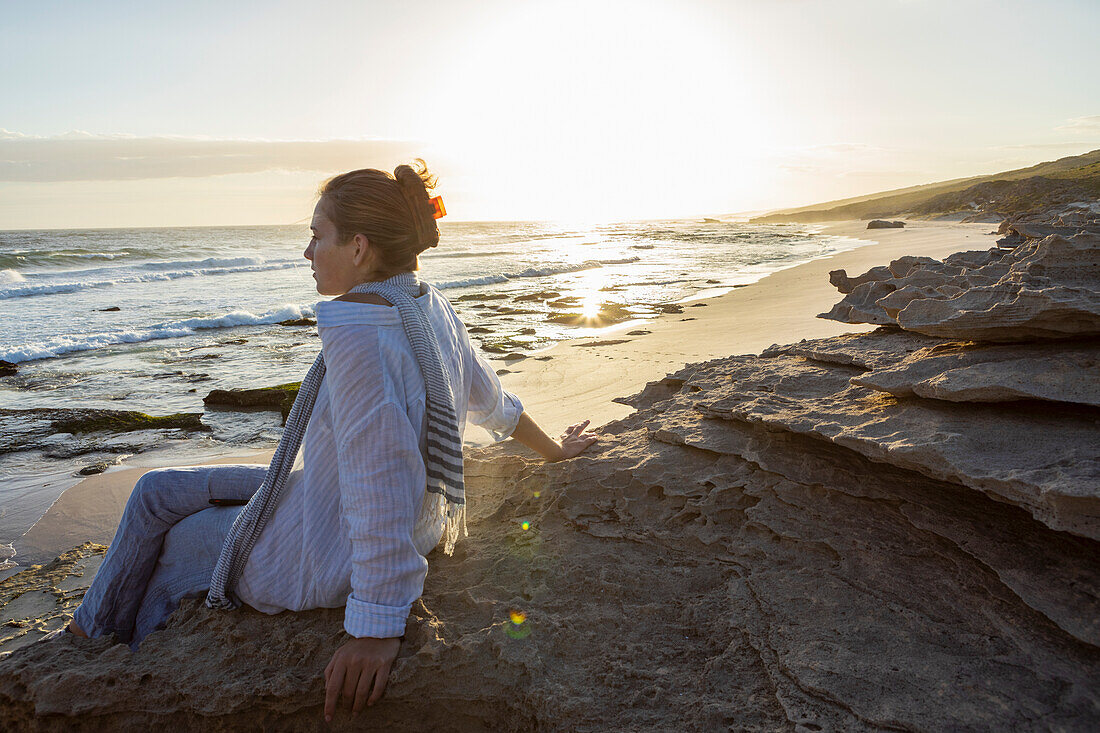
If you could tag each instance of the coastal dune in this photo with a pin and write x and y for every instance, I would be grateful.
(849, 532)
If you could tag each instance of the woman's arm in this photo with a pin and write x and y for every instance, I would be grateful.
(381, 480)
(501, 413)
(573, 440)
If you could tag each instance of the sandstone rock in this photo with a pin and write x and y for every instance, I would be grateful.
(968, 372)
(992, 314)
(880, 224)
(120, 421)
(1026, 455)
(883, 347)
(602, 342)
(861, 304)
(686, 573)
(840, 280)
(541, 295)
(94, 468)
(1029, 230)
(36, 600)
(1040, 289)
(480, 296)
(280, 397)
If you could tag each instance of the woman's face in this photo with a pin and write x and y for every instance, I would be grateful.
(337, 267)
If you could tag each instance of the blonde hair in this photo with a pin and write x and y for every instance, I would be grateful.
(392, 211)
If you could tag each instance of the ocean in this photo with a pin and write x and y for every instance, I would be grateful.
(153, 319)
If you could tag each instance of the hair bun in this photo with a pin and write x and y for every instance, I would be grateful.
(414, 185)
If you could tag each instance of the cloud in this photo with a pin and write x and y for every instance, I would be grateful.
(1089, 124)
(1047, 146)
(84, 156)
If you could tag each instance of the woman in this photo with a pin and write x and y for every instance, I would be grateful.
(349, 519)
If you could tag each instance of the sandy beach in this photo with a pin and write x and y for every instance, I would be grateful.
(780, 308)
(591, 372)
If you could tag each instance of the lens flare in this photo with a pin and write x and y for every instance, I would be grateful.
(538, 494)
(525, 525)
(517, 628)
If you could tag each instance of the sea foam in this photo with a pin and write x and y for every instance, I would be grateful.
(70, 343)
(29, 288)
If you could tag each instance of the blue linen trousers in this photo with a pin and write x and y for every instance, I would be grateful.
(165, 549)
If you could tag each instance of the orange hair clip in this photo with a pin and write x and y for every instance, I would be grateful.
(438, 212)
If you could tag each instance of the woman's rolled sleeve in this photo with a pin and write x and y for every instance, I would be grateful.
(490, 405)
(382, 482)
(382, 479)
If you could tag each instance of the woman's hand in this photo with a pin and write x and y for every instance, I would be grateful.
(574, 440)
(354, 665)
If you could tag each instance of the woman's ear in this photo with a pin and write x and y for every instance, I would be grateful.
(363, 254)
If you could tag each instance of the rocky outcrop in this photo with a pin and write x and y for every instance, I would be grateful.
(68, 432)
(969, 372)
(121, 421)
(1041, 289)
(1027, 454)
(41, 598)
(882, 224)
(1019, 232)
(280, 397)
(697, 570)
(881, 531)
(993, 379)
(1073, 218)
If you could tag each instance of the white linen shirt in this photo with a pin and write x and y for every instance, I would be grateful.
(344, 532)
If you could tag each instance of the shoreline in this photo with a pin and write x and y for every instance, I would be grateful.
(779, 308)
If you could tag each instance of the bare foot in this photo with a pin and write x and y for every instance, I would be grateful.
(77, 631)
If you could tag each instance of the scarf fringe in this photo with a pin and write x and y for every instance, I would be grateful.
(456, 518)
(434, 509)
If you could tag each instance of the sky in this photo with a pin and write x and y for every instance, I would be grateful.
(124, 114)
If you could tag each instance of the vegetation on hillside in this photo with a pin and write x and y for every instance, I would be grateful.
(1039, 186)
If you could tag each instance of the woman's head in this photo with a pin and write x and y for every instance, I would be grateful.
(369, 225)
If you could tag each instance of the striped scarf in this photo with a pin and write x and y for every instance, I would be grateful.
(444, 451)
